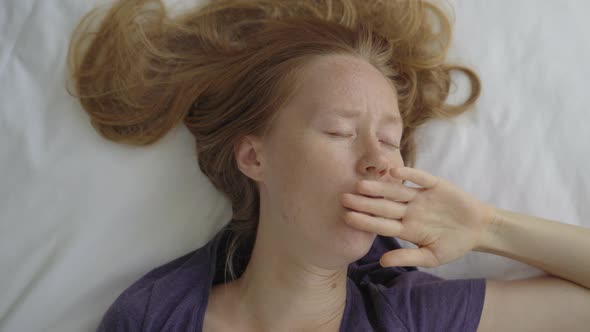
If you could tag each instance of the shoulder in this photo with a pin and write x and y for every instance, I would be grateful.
(127, 313)
(416, 300)
(157, 296)
(425, 302)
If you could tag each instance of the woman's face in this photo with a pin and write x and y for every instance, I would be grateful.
(334, 132)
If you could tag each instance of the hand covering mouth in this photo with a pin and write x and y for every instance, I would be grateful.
(367, 213)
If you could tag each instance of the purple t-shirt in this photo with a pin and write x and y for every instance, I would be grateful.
(174, 296)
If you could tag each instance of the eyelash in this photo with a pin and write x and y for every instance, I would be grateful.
(343, 135)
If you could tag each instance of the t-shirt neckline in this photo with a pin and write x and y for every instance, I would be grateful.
(211, 276)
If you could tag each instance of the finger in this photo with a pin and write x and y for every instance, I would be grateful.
(419, 177)
(409, 257)
(373, 224)
(376, 206)
(391, 190)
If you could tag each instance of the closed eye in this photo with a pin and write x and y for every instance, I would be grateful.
(338, 134)
(349, 135)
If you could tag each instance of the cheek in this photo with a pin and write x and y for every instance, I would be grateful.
(289, 165)
(309, 170)
(327, 169)
(317, 164)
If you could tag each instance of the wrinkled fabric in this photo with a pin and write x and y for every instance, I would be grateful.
(174, 296)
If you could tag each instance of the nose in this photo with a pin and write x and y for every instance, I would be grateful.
(375, 163)
(375, 170)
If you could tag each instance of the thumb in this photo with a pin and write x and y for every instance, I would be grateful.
(409, 257)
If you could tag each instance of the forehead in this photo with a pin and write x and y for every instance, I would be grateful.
(344, 85)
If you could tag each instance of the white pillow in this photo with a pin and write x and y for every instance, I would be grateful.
(81, 218)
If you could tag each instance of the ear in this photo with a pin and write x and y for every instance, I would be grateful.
(249, 157)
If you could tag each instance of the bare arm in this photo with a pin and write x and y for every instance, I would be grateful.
(444, 222)
(559, 249)
(545, 303)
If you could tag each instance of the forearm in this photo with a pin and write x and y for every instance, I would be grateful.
(559, 249)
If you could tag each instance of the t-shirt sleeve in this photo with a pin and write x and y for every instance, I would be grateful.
(125, 314)
(425, 302)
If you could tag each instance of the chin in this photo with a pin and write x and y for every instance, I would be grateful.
(357, 242)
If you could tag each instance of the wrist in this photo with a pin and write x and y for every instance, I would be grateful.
(492, 224)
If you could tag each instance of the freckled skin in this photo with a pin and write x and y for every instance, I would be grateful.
(303, 246)
(308, 169)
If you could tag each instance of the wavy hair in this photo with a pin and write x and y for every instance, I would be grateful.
(225, 68)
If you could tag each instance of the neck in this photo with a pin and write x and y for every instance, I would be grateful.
(279, 291)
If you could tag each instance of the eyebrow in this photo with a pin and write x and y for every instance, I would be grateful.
(354, 113)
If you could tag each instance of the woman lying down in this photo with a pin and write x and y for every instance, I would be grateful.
(304, 114)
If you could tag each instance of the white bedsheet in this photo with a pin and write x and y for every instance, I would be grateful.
(81, 218)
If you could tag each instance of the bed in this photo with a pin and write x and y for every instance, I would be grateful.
(81, 218)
